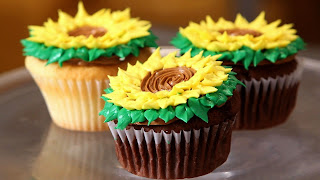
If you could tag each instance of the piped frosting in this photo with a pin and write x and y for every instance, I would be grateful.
(191, 87)
(120, 28)
(240, 41)
(165, 79)
(89, 37)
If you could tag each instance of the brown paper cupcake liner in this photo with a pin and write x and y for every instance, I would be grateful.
(168, 155)
(74, 104)
(268, 102)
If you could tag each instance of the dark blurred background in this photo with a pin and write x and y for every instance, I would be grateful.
(165, 15)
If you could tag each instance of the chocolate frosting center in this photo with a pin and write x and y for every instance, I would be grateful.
(87, 31)
(241, 32)
(165, 79)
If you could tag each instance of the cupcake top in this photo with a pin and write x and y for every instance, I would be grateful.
(88, 37)
(168, 88)
(240, 41)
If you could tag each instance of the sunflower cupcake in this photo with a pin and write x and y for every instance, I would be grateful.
(263, 56)
(70, 60)
(171, 117)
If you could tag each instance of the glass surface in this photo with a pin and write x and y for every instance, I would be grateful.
(31, 147)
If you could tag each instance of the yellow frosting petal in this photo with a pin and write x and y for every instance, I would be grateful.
(120, 29)
(127, 84)
(207, 34)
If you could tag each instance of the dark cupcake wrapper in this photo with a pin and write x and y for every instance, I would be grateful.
(168, 155)
(268, 102)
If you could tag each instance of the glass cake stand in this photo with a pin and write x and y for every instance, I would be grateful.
(32, 147)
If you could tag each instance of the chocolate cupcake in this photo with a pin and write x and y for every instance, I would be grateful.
(172, 117)
(70, 60)
(263, 56)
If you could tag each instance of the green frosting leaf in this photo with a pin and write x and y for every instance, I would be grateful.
(206, 102)
(184, 112)
(219, 98)
(225, 90)
(249, 58)
(137, 116)
(233, 79)
(231, 73)
(81, 53)
(106, 109)
(259, 56)
(123, 51)
(194, 52)
(181, 42)
(124, 118)
(245, 55)
(136, 42)
(226, 55)
(68, 54)
(108, 90)
(110, 113)
(151, 115)
(292, 49)
(55, 54)
(208, 53)
(197, 109)
(135, 50)
(167, 114)
(194, 107)
(272, 55)
(239, 55)
(299, 43)
(283, 53)
(95, 53)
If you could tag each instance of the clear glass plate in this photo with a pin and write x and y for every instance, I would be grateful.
(31, 147)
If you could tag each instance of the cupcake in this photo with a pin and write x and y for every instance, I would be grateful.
(171, 117)
(263, 56)
(70, 60)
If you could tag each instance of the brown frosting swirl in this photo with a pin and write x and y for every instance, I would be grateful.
(101, 61)
(241, 32)
(113, 60)
(87, 31)
(165, 79)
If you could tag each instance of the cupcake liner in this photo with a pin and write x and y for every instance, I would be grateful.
(72, 155)
(74, 104)
(167, 155)
(268, 102)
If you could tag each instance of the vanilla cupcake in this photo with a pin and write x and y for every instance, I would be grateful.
(171, 117)
(70, 60)
(263, 56)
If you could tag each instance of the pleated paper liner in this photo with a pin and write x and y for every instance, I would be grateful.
(268, 102)
(73, 92)
(168, 155)
(74, 104)
(72, 155)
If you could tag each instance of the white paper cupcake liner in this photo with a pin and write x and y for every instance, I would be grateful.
(167, 155)
(268, 101)
(74, 104)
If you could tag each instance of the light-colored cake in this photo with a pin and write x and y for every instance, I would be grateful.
(70, 60)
